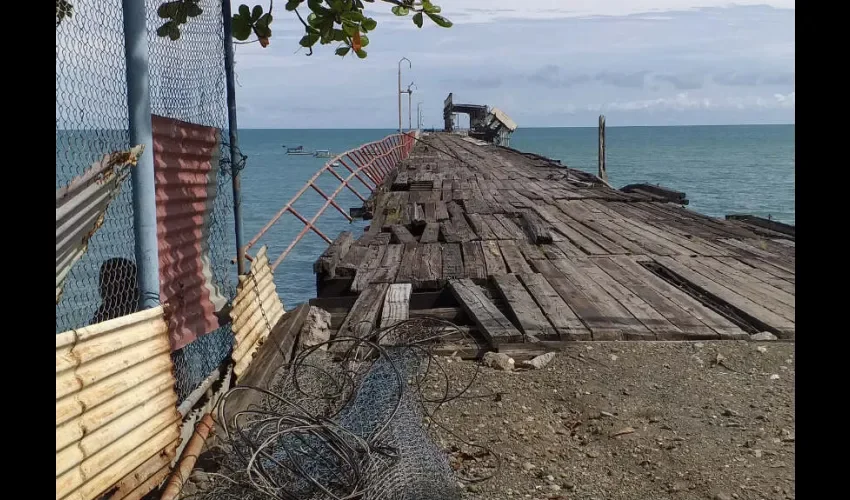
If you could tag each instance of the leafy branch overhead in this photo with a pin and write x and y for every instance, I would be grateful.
(328, 21)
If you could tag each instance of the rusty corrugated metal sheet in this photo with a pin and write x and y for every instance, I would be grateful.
(186, 162)
(116, 407)
(256, 309)
(81, 206)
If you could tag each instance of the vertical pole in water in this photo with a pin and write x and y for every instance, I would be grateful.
(141, 132)
(603, 172)
(399, 89)
(234, 137)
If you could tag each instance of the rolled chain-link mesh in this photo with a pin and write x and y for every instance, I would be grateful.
(189, 83)
(91, 121)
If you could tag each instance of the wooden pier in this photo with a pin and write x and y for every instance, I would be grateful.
(520, 249)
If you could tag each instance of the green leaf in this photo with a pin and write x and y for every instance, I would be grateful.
(352, 15)
(430, 8)
(338, 35)
(256, 12)
(292, 5)
(361, 53)
(241, 28)
(342, 51)
(369, 24)
(163, 30)
(309, 40)
(166, 10)
(349, 29)
(439, 20)
(244, 11)
(194, 10)
(263, 30)
(364, 41)
(266, 20)
(417, 19)
(314, 20)
(400, 11)
(174, 32)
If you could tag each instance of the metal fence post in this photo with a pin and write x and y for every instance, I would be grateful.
(234, 138)
(140, 128)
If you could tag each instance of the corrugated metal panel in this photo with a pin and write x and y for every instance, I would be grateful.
(505, 119)
(81, 206)
(256, 309)
(186, 162)
(116, 407)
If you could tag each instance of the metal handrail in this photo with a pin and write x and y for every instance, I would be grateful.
(369, 163)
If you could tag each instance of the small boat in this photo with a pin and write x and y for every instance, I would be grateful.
(322, 153)
(297, 151)
(336, 164)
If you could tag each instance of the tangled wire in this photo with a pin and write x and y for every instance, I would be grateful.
(349, 419)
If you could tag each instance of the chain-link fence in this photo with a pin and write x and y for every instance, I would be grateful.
(187, 83)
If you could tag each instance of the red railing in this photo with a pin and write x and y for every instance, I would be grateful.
(369, 164)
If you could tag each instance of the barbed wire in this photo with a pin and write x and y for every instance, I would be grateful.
(349, 418)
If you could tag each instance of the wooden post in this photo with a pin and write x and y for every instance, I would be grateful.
(603, 172)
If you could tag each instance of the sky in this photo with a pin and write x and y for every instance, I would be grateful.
(544, 62)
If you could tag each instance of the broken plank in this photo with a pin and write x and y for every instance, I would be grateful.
(363, 316)
(528, 315)
(406, 268)
(566, 323)
(388, 269)
(479, 225)
(512, 228)
(496, 227)
(351, 260)
(370, 263)
(491, 323)
(538, 231)
(450, 234)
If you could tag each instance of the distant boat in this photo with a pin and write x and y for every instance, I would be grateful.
(297, 151)
(322, 153)
(335, 164)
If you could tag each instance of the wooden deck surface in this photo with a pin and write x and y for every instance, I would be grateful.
(519, 248)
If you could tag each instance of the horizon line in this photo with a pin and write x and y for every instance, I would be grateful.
(545, 126)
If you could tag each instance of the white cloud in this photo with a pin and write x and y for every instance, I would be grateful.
(685, 102)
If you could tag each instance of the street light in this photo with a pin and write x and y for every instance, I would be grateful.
(409, 65)
(419, 115)
(409, 93)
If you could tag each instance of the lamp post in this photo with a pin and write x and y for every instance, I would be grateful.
(409, 65)
(419, 115)
(409, 93)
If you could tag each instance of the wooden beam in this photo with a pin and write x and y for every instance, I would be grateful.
(492, 324)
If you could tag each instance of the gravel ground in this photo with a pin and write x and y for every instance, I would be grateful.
(630, 420)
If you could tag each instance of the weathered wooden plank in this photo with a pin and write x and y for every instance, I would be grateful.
(514, 259)
(761, 274)
(406, 268)
(480, 226)
(578, 240)
(363, 316)
(491, 323)
(531, 251)
(653, 320)
(631, 326)
(512, 228)
(495, 263)
(396, 309)
(402, 234)
(388, 269)
(552, 252)
(537, 231)
(431, 233)
(461, 227)
(772, 299)
(452, 261)
(768, 268)
(764, 255)
(565, 321)
(449, 232)
(723, 326)
(417, 214)
(691, 327)
(447, 192)
(474, 266)
(442, 212)
(325, 266)
(497, 228)
(349, 262)
(428, 267)
(590, 312)
(525, 311)
(370, 263)
(783, 326)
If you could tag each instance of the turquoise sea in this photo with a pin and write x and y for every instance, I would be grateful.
(723, 169)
